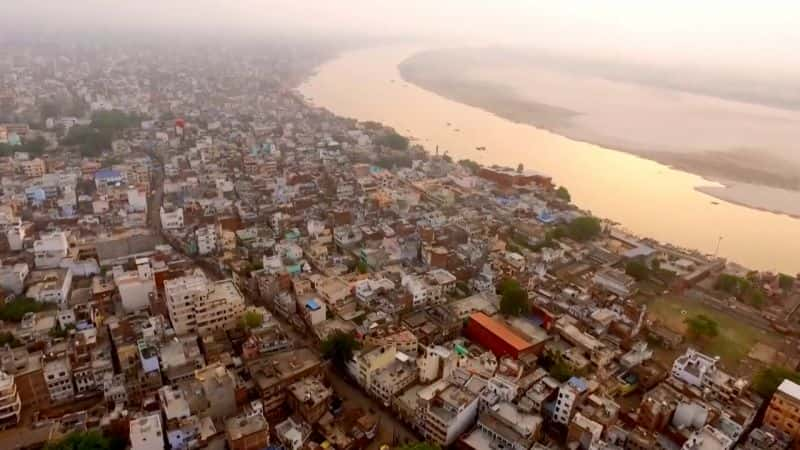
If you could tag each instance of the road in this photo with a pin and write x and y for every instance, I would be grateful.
(389, 428)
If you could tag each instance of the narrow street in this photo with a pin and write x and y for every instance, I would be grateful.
(390, 430)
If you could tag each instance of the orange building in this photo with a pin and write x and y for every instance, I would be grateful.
(783, 412)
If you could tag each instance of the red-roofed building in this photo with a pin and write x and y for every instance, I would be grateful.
(498, 337)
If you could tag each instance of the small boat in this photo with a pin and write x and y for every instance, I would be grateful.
(480, 149)
(457, 129)
(715, 203)
(448, 124)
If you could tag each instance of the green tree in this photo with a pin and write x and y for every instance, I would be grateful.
(584, 228)
(520, 168)
(419, 446)
(114, 120)
(251, 319)
(766, 381)
(362, 266)
(563, 194)
(14, 310)
(702, 326)
(513, 299)
(81, 440)
(338, 348)
(553, 362)
(393, 140)
(786, 282)
(470, 165)
(8, 338)
(637, 269)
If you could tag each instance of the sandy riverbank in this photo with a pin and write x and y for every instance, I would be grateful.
(649, 122)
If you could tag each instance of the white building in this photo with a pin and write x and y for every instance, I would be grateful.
(449, 414)
(694, 368)
(206, 240)
(12, 278)
(58, 377)
(50, 249)
(196, 305)
(616, 282)
(708, 438)
(567, 399)
(136, 286)
(15, 235)
(146, 433)
(137, 199)
(314, 311)
(50, 286)
(10, 404)
(171, 220)
(418, 288)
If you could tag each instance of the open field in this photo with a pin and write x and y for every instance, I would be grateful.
(735, 340)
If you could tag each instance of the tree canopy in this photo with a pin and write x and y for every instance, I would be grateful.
(766, 381)
(82, 440)
(34, 147)
(92, 141)
(563, 194)
(470, 165)
(419, 446)
(637, 269)
(584, 228)
(393, 140)
(251, 319)
(114, 120)
(15, 309)
(786, 282)
(513, 299)
(702, 326)
(338, 348)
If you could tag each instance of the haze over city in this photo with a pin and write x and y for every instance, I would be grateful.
(385, 225)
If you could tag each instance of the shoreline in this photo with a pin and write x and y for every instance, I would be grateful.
(673, 160)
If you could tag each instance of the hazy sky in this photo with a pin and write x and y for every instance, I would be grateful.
(757, 33)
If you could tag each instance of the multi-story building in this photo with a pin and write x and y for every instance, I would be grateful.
(568, 398)
(196, 305)
(50, 249)
(171, 220)
(50, 286)
(146, 433)
(10, 404)
(449, 414)
(247, 433)
(616, 282)
(58, 376)
(206, 240)
(310, 398)
(783, 413)
(136, 286)
(12, 278)
(389, 380)
(33, 167)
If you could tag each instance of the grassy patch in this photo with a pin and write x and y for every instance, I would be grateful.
(735, 338)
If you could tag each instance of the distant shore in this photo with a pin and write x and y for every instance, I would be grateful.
(744, 182)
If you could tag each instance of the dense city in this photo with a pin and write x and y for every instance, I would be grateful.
(194, 256)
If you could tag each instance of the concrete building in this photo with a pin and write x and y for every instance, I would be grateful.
(12, 278)
(708, 438)
(137, 199)
(196, 305)
(146, 433)
(58, 376)
(783, 412)
(390, 380)
(616, 282)
(206, 240)
(171, 220)
(568, 398)
(449, 414)
(310, 398)
(247, 433)
(33, 168)
(10, 404)
(50, 286)
(50, 249)
(219, 388)
(136, 287)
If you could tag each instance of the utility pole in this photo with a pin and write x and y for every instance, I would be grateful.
(719, 239)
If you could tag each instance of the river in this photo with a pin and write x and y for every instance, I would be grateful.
(645, 197)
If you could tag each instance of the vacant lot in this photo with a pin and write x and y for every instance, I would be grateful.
(735, 340)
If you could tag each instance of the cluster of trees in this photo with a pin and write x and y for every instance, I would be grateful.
(35, 147)
(8, 338)
(513, 298)
(470, 165)
(581, 229)
(14, 310)
(766, 381)
(390, 161)
(741, 288)
(338, 348)
(701, 327)
(97, 136)
(786, 282)
(87, 440)
(392, 140)
(563, 194)
(637, 269)
(553, 362)
(251, 320)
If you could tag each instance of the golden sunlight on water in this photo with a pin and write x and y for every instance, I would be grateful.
(645, 197)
